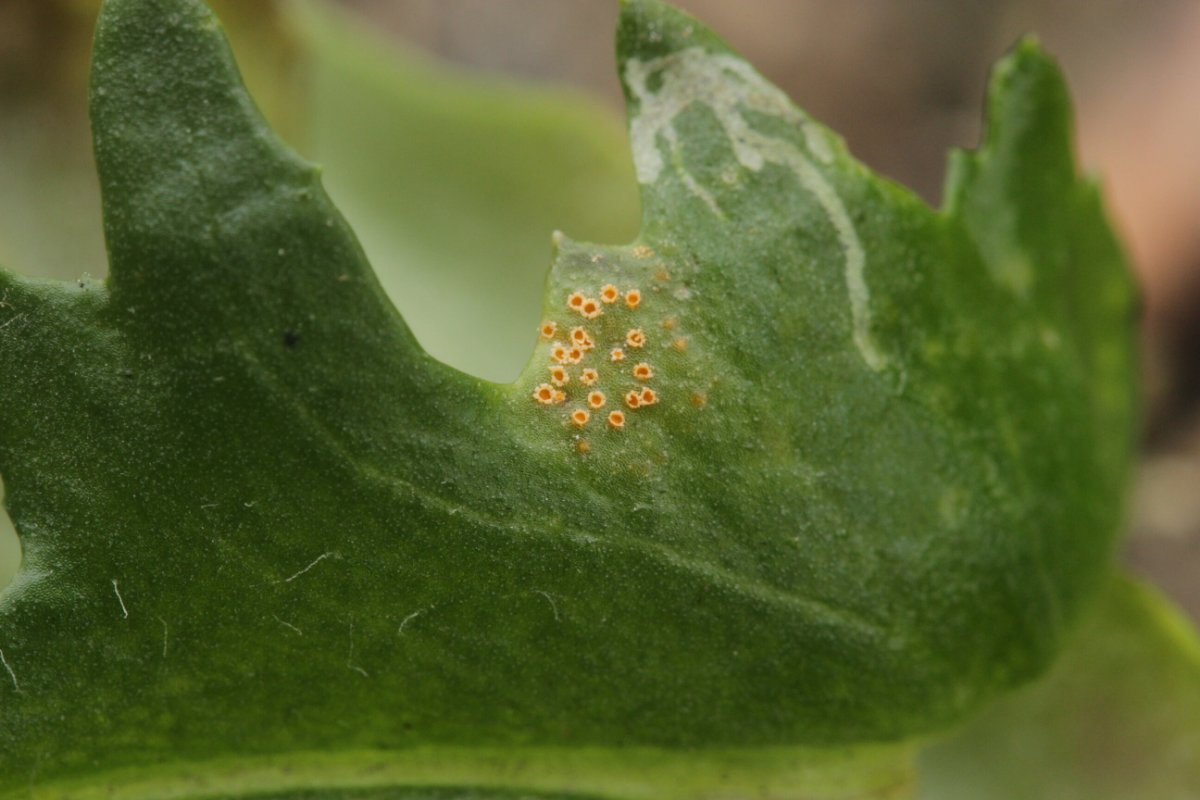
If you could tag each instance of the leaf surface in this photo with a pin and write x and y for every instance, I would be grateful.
(507, 161)
(267, 535)
(50, 223)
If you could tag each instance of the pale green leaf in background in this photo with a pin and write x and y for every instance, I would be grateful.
(453, 183)
(1117, 718)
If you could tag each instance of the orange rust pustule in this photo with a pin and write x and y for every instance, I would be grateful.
(581, 339)
(575, 346)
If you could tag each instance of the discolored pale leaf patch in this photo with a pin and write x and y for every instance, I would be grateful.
(808, 466)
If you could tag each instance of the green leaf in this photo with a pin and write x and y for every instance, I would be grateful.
(272, 545)
(1117, 717)
(50, 222)
(504, 160)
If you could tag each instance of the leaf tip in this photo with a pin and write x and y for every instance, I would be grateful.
(1027, 143)
(1028, 51)
(1027, 86)
(651, 29)
(1027, 72)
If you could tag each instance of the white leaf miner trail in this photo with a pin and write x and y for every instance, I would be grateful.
(696, 75)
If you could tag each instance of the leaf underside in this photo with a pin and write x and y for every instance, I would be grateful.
(508, 161)
(869, 472)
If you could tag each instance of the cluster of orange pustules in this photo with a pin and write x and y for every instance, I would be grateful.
(580, 346)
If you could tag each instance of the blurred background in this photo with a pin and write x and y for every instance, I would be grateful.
(902, 82)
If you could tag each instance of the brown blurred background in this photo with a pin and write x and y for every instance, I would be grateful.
(902, 82)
